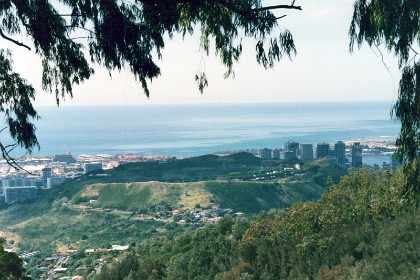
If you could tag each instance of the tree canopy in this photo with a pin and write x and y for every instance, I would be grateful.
(70, 36)
(396, 25)
(10, 265)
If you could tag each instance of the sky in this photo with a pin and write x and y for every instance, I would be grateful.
(322, 71)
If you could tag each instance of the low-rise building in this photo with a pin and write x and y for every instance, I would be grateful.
(92, 166)
(54, 181)
(67, 158)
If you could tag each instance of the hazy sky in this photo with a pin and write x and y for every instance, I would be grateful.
(323, 69)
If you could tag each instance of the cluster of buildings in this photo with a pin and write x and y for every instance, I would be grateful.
(55, 267)
(47, 172)
(212, 214)
(40, 173)
(21, 187)
(336, 153)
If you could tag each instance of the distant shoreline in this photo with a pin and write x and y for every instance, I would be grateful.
(69, 106)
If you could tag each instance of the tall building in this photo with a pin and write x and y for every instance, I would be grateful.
(306, 152)
(291, 149)
(340, 154)
(289, 155)
(356, 155)
(1, 188)
(265, 153)
(276, 154)
(322, 150)
(46, 173)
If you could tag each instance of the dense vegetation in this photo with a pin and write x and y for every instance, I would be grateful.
(61, 219)
(11, 265)
(361, 228)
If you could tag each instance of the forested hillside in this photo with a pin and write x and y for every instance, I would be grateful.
(361, 228)
(138, 201)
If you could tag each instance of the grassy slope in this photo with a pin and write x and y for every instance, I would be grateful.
(248, 197)
(362, 228)
(48, 219)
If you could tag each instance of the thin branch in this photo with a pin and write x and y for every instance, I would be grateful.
(6, 150)
(413, 50)
(70, 15)
(269, 19)
(10, 160)
(386, 67)
(81, 37)
(250, 12)
(81, 27)
(12, 40)
(276, 7)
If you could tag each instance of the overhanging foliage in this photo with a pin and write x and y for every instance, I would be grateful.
(70, 36)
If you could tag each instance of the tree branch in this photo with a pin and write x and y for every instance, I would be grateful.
(81, 37)
(276, 7)
(5, 151)
(413, 50)
(81, 27)
(249, 12)
(12, 40)
(69, 15)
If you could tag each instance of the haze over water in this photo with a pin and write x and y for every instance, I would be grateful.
(189, 130)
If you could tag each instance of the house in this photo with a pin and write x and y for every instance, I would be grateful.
(119, 247)
(214, 220)
(50, 260)
(60, 269)
(82, 268)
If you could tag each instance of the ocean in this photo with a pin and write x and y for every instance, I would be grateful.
(190, 130)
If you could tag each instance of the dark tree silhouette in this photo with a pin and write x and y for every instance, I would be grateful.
(10, 265)
(396, 24)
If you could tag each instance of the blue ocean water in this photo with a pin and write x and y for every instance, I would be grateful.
(189, 130)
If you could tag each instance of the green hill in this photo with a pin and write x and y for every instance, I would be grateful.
(362, 228)
(244, 196)
(66, 218)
